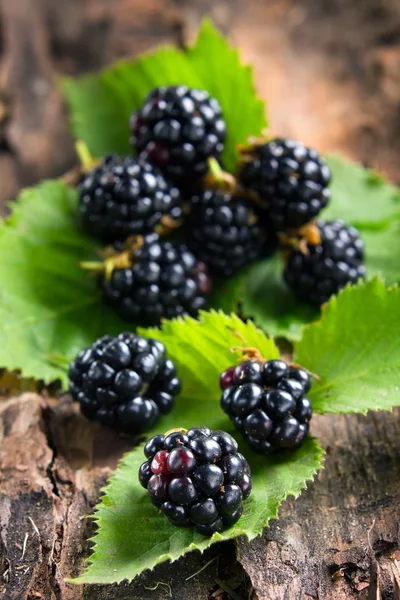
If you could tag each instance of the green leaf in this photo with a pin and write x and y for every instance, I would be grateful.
(355, 349)
(261, 294)
(100, 105)
(133, 535)
(360, 196)
(382, 249)
(49, 309)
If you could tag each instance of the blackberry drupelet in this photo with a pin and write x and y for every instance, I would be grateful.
(223, 231)
(291, 179)
(319, 270)
(267, 403)
(178, 129)
(123, 196)
(125, 382)
(164, 280)
(197, 478)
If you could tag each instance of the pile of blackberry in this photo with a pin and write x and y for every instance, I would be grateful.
(173, 217)
(267, 403)
(280, 188)
(126, 382)
(197, 478)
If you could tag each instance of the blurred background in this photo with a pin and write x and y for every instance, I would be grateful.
(330, 71)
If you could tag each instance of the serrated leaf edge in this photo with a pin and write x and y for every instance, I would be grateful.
(216, 537)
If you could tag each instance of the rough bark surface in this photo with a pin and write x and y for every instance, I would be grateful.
(339, 540)
(330, 72)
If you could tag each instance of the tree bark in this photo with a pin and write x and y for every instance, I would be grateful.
(339, 540)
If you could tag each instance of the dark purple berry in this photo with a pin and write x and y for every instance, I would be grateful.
(322, 269)
(176, 514)
(291, 182)
(160, 283)
(208, 479)
(154, 444)
(230, 499)
(182, 491)
(227, 378)
(249, 371)
(197, 478)
(123, 196)
(157, 488)
(206, 449)
(204, 512)
(177, 439)
(181, 461)
(124, 382)
(246, 398)
(159, 463)
(178, 129)
(224, 232)
(232, 467)
(145, 473)
(272, 412)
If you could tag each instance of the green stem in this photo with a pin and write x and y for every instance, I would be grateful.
(86, 159)
(92, 265)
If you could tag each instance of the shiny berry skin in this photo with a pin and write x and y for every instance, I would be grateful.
(159, 463)
(227, 378)
(270, 409)
(123, 196)
(164, 281)
(290, 179)
(178, 129)
(319, 271)
(197, 478)
(181, 461)
(125, 382)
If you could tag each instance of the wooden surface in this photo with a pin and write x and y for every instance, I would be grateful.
(331, 74)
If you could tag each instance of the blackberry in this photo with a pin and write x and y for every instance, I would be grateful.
(123, 196)
(290, 178)
(165, 280)
(178, 129)
(223, 231)
(319, 270)
(267, 402)
(197, 478)
(125, 382)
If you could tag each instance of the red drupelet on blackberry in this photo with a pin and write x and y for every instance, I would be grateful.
(161, 279)
(322, 267)
(125, 382)
(123, 196)
(290, 179)
(197, 478)
(224, 232)
(267, 403)
(178, 129)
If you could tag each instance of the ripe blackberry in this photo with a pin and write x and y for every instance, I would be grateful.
(197, 478)
(123, 196)
(163, 280)
(223, 231)
(291, 179)
(319, 270)
(125, 382)
(267, 403)
(179, 129)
